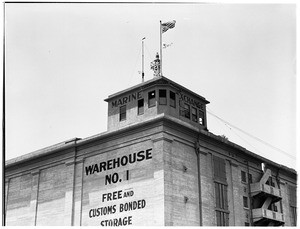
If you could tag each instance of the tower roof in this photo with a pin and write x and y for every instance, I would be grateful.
(156, 81)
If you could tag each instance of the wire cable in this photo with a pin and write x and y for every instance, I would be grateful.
(238, 135)
(250, 135)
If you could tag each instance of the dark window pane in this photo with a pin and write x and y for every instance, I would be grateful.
(218, 214)
(218, 205)
(222, 218)
(219, 168)
(245, 200)
(162, 97)
(293, 216)
(172, 99)
(123, 113)
(292, 195)
(221, 196)
(201, 118)
(187, 111)
(243, 174)
(151, 98)
(141, 106)
(225, 197)
(194, 114)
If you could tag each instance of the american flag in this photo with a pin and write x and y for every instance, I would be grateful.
(168, 25)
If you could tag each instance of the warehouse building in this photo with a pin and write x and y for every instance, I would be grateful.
(156, 165)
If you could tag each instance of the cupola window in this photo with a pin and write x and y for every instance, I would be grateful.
(187, 111)
(201, 118)
(194, 114)
(151, 99)
(162, 97)
(140, 106)
(172, 99)
(123, 113)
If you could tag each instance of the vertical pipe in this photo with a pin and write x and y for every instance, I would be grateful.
(232, 194)
(74, 177)
(249, 193)
(278, 186)
(37, 198)
(197, 149)
(81, 194)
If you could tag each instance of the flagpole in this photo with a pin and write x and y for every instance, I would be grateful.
(160, 49)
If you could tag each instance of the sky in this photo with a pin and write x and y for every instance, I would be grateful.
(63, 60)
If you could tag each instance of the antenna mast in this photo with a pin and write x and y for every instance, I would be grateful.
(143, 74)
(160, 46)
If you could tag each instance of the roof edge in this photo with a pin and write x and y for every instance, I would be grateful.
(78, 142)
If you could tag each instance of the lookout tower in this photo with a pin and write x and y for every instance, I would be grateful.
(155, 97)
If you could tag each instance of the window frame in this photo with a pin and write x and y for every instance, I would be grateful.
(122, 112)
(194, 116)
(245, 202)
(139, 107)
(162, 100)
(187, 111)
(172, 100)
(243, 178)
(201, 117)
(150, 100)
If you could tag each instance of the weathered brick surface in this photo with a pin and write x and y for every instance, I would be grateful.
(285, 203)
(239, 212)
(51, 196)
(181, 187)
(19, 196)
(207, 190)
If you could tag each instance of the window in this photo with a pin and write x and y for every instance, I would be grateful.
(250, 178)
(201, 118)
(187, 111)
(293, 216)
(222, 218)
(123, 113)
(184, 110)
(293, 204)
(243, 174)
(219, 169)
(151, 99)
(162, 97)
(245, 201)
(292, 195)
(222, 213)
(194, 114)
(172, 99)
(221, 196)
(140, 106)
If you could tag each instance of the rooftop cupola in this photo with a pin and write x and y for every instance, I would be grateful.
(157, 96)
